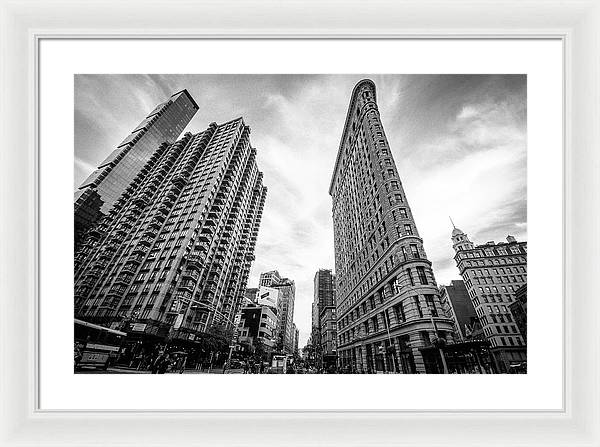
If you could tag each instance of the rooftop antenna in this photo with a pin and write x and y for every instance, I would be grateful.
(452, 222)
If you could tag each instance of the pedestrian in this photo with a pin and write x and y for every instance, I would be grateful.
(156, 363)
(181, 363)
(246, 367)
(164, 364)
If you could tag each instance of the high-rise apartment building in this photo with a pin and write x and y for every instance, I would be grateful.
(285, 306)
(172, 256)
(492, 274)
(324, 318)
(99, 192)
(387, 300)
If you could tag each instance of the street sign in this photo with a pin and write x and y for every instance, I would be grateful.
(138, 327)
(178, 321)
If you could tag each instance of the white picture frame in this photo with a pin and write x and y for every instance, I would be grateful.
(24, 24)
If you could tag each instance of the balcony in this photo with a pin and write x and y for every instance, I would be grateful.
(210, 290)
(117, 291)
(213, 278)
(94, 234)
(99, 265)
(123, 279)
(191, 274)
(194, 262)
(146, 241)
(129, 268)
(172, 194)
(179, 180)
(155, 225)
(202, 248)
(151, 231)
(187, 285)
(141, 202)
(139, 249)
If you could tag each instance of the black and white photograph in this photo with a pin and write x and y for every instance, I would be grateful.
(300, 224)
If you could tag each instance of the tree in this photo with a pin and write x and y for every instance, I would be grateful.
(260, 352)
(217, 339)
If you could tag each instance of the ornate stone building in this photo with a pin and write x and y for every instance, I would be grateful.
(492, 274)
(387, 299)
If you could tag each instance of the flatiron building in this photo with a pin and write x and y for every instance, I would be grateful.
(172, 256)
(387, 300)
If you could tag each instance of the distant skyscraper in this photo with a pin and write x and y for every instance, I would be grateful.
(492, 274)
(99, 192)
(324, 317)
(296, 339)
(174, 253)
(269, 278)
(285, 306)
(457, 304)
(387, 299)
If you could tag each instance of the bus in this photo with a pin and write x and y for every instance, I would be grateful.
(96, 346)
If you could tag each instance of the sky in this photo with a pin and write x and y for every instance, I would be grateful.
(459, 142)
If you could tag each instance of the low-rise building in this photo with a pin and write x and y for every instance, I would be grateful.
(257, 328)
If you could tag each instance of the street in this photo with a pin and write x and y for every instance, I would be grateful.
(115, 370)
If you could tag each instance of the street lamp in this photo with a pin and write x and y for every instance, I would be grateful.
(387, 326)
(439, 343)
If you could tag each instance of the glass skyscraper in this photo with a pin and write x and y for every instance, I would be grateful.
(98, 193)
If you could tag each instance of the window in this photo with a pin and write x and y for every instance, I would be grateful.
(407, 229)
(431, 305)
(418, 306)
(414, 251)
(403, 213)
(400, 312)
(410, 278)
(375, 324)
(422, 275)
